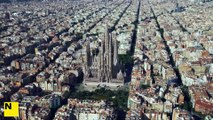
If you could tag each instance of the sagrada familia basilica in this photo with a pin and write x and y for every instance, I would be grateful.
(103, 67)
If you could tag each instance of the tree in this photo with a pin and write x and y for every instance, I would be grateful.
(125, 59)
(119, 97)
(144, 86)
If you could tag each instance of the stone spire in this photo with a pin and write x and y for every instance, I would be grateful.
(110, 57)
(106, 38)
(87, 53)
(115, 53)
(102, 61)
(87, 60)
(120, 75)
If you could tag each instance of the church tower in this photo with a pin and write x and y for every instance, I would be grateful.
(115, 53)
(102, 61)
(110, 69)
(87, 60)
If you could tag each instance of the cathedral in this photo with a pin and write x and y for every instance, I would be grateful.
(103, 67)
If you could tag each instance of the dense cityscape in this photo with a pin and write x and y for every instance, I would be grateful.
(107, 59)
